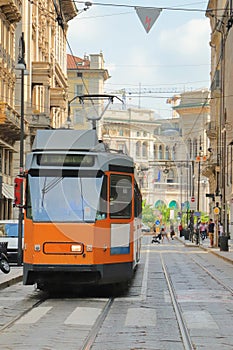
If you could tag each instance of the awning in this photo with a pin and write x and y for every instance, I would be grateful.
(8, 191)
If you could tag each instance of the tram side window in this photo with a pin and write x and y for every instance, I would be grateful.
(28, 204)
(137, 201)
(120, 196)
(102, 206)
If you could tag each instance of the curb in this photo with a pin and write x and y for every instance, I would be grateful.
(11, 281)
(206, 249)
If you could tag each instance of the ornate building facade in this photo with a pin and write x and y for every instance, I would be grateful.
(166, 150)
(43, 27)
(10, 15)
(221, 123)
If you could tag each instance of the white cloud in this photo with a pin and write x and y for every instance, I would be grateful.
(187, 39)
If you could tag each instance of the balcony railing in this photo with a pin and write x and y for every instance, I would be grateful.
(10, 123)
(11, 9)
(211, 130)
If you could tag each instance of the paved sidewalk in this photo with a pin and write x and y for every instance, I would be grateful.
(226, 255)
(14, 276)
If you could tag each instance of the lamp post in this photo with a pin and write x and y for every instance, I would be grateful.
(22, 67)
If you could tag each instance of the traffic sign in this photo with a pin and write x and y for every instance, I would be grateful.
(157, 222)
(192, 199)
(216, 210)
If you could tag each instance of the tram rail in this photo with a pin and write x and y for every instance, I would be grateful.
(187, 342)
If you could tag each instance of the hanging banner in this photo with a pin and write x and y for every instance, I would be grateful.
(148, 16)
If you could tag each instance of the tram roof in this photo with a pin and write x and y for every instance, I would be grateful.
(65, 139)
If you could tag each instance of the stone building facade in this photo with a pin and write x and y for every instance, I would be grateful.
(86, 76)
(44, 27)
(165, 150)
(220, 130)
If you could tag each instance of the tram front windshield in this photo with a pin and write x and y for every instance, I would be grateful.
(63, 199)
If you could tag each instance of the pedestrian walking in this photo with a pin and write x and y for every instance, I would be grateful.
(202, 230)
(172, 231)
(164, 232)
(211, 232)
(180, 228)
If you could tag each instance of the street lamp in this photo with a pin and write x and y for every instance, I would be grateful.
(22, 67)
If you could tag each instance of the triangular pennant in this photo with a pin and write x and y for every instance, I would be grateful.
(148, 16)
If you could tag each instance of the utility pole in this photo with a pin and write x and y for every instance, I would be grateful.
(22, 67)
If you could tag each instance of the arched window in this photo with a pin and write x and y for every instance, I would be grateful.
(155, 151)
(167, 152)
(144, 149)
(138, 149)
(160, 154)
(174, 152)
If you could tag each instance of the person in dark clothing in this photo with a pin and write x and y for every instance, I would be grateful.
(211, 232)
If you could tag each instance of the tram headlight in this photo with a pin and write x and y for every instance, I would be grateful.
(77, 248)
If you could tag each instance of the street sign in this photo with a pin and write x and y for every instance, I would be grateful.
(148, 16)
(192, 203)
(157, 222)
(210, 195)
(216, 210)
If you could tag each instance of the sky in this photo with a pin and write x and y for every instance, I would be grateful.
(173, 57)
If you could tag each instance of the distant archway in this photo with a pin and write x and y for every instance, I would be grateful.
(173, 205)
(160, 203)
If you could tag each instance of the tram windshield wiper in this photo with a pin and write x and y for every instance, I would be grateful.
(47, 187)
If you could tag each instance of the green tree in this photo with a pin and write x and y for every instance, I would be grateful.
(148, 216)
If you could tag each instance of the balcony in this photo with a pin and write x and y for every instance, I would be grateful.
(10, 124)
(69, 9)
(58, 97)
(38, 121)
(211, 130)
(41, 73)
(11, 9)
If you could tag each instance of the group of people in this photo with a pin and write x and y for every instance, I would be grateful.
(206, 230)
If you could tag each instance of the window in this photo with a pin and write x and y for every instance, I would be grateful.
(173, 152)
(155, 151)
(167, 153)
(195, 147)
(120, 196)
(78, 89)
(190, 148)
(137, 202)
(144, 149)
(66, 199)
(160, 154)
(138, 149)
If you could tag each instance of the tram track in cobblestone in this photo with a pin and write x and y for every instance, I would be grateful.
(97, 325)
(23, 313)
(214, 277)
(181, 322)
(88, 341)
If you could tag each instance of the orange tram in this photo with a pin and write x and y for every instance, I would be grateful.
(82, 219)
